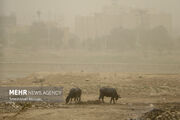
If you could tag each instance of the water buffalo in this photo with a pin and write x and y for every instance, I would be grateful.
(108, 92)
(74, 93)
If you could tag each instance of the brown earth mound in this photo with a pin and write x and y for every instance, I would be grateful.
(159, 114)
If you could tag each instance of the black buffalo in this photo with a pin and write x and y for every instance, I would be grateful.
(108, 92)
(74, 93)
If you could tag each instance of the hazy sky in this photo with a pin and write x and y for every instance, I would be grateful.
(51, 9)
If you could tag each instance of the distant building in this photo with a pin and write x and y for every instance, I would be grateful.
(100, 24)
(8, 21)
(162, 19)
(7, 25)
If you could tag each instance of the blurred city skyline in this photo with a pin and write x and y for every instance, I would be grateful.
(74, 34)
(65, 11)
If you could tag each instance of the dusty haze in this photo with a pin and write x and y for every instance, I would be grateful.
(130, 45)
(89, 35)
(25, 10)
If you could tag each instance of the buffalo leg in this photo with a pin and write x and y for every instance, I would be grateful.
(103, 99)
(70, 100)
(75, 99)
(111, 100)
(100, 97)
(79, 98)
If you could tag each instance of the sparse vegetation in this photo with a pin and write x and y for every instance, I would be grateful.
(139, 96)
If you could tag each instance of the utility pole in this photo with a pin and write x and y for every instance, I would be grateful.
(114, 2)
(39, 15)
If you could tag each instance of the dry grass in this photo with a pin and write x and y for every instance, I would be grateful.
(139, 92)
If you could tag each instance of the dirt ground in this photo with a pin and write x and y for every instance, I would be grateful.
(140, 93)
